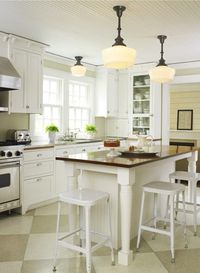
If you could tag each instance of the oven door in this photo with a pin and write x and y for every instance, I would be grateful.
(9, 181)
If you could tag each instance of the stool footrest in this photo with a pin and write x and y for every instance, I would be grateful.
(72, 246)
(157, 230)
(78, 248)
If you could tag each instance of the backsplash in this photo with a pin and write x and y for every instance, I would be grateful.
(12, 121)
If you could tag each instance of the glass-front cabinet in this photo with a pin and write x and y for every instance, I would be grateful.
(141, 106)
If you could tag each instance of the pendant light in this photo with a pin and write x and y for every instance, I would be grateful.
(119, 56)
(162, 73)
(78, 69)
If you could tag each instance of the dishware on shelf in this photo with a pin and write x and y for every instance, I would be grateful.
(138, 83)
(138, 96)
(147, 81)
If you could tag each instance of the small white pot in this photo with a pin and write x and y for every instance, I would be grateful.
(91, 135)
(52, 137)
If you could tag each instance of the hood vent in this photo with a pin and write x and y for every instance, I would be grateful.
(9, 77)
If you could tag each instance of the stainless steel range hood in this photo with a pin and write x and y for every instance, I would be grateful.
(9, 77)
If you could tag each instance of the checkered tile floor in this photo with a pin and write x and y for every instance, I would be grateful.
(27, 246)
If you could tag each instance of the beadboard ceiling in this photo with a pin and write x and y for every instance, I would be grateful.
(86, 27)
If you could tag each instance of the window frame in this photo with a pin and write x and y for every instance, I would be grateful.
(66, 77)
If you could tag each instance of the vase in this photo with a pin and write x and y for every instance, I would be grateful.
(52, 137)
(91, 135)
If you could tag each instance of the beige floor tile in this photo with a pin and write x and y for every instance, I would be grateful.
(51, 209)
(30, 212)
(10, 267)
(15, 224)
(144, 247)
(12, 247)
(142, 263)
(47, 224)
(187, 261)
(162, 242)
(42, 246)
(38, 266)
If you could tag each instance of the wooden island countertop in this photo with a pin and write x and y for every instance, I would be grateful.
(101, 157)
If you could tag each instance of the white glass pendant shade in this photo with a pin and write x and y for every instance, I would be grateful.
(119, 57)
(162, 74)
(78, 70)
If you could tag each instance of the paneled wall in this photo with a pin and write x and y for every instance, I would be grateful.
(185, 96)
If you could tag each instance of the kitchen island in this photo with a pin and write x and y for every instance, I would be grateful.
(123, 178)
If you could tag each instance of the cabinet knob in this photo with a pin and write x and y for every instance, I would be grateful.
(65, 152)
(83, 150)
(27, 106)
(38, 164)
(39, 179)
(38, 155)
(108, 112)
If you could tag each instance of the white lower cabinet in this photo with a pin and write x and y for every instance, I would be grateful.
(44, 177)
(38, 189)
(38, 177)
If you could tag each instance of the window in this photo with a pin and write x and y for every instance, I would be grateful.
(79, 105)
(52, 105)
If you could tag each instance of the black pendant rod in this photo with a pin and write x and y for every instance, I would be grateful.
(119, 10)
(162, 39)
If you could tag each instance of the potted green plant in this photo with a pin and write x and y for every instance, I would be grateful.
(52, 129)
(91, 130)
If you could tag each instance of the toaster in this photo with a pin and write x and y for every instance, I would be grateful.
(20, 136)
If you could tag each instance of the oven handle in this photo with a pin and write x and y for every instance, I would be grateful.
(9, 164)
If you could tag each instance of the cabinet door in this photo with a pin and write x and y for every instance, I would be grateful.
(34, 93)
(17, 98)
(112, 95)
(123, 94)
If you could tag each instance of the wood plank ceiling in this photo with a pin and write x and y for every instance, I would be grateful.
(86, 27)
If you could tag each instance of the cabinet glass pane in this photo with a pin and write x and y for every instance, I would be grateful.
(141, 105)
(141, 125)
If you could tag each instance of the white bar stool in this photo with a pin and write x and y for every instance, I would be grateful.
(163, 188)
(192, 179)
(86, 199)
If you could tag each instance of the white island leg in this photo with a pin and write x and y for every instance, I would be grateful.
(192, 161)
(72, 184)
(125, 179)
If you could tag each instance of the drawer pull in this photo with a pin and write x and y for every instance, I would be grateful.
(38, 164)
(83, 150)
(65, 152)
(38, 155)
(99, 148)
(38, 179)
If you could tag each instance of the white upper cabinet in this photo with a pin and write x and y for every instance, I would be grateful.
(106, 97)
(123, 94)
(18, 97)
(112, 93)
(34, 101)
(145, 117)
(26, 56)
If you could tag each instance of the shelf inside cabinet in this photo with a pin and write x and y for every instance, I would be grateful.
(145, 127)
(141, 86)
(141, 99)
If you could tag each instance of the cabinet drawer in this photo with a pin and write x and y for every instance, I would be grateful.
(38, 154)
(64, 152)
(38, 168)
(38, 189)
